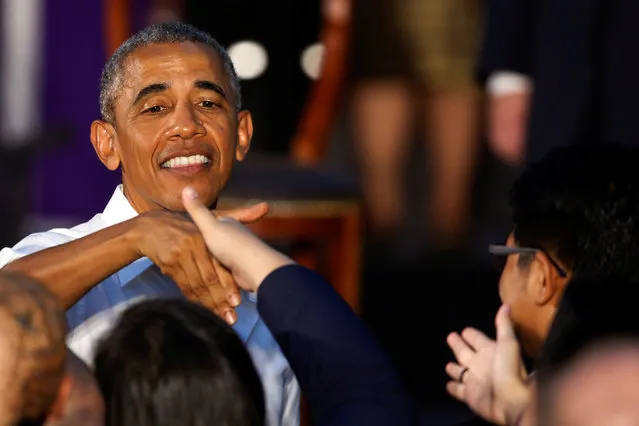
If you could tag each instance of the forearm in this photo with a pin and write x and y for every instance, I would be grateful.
(70, 270)
(335, 358)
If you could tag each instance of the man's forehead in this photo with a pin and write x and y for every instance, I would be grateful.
(173, 63)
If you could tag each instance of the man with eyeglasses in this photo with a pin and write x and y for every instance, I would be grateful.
(575, 213)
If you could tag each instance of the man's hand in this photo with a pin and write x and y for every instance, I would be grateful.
(507, 125)
(248, 258)
(493, 384)
(176, 246)
(475, 352)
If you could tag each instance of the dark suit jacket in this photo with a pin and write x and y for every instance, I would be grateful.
(345, 375)
(583, 57)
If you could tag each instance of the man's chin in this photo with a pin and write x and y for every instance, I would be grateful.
(176, 205)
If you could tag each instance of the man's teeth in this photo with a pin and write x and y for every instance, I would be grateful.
(185, 161)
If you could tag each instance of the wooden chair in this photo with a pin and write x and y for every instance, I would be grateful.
(317, 211)
(308, 205)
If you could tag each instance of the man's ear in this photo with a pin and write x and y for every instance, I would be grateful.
(103, 137)
(244, 134)
(545, 283)
(57, 409)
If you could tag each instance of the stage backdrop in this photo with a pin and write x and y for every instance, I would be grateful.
(70, 183)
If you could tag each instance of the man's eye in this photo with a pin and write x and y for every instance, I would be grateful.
(154, 109)
(208, 104)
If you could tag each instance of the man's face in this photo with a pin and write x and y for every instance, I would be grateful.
(175, 126)
(516, 290)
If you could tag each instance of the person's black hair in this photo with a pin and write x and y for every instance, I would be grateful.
(173, 362)
(581, 204)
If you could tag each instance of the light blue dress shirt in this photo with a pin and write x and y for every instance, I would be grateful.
(142, 279)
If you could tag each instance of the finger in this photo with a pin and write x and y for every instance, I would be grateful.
(199, 289)
(202, 217)
(463, 353)
(178, 276)
(246, 215)
(222, 298)
(228, 283)
(475, 338)
(504, 325)
(454, 370)
(456, 390)
(183, 281)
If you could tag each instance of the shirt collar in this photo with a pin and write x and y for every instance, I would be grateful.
(118, 209)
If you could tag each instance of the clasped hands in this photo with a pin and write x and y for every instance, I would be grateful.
(489, 375)
(211, 255)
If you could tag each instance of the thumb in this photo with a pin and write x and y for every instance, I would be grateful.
(201, 215)
(504, 325)
(245, 215)
(509, 351)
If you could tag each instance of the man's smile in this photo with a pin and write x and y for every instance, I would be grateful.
(186, 161)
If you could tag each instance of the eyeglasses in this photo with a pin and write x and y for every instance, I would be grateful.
(501, 253)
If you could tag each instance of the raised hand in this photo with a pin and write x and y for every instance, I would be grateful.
(489, 376)
(174, 243)
(248, 258)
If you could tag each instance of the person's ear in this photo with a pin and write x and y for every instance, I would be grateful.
(103, 139)
(57, 409)
(544, 281)
(244, 134)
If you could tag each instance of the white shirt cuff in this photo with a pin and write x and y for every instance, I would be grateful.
(507, 83)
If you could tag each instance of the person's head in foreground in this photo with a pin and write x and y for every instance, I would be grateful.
(599, 386)
(79, 401)
(32, 350)
(588, 370)
(173, 362)
(40, 382)
(171, 116)
(576, 212)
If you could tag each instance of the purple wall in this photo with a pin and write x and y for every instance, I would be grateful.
(71, 181)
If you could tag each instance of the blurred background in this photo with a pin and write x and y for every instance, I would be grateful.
(368, 144)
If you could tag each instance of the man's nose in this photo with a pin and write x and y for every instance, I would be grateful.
(186, 124)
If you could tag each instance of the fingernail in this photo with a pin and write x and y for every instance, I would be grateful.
(190, 193)
(230, 318)
(234, 299)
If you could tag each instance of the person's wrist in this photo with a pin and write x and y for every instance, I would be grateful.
(518, 402)
(134, 234)
(267, 266)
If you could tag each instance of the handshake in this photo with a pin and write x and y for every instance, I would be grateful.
(211, 257)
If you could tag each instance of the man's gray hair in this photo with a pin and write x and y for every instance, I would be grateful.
(112, 79)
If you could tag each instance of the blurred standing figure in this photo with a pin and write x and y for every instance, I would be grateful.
(436, 40)
(560, 72)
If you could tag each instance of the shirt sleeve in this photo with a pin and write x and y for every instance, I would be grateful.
(29, 245)
(290, 399)
(504, 83)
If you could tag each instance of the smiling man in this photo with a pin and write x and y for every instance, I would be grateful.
(171, 117)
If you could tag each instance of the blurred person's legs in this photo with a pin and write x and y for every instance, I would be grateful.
(452, 120)
(382, 111)
(443, 37)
